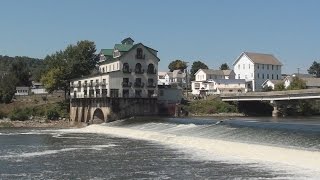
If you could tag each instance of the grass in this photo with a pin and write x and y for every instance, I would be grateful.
(6, 124)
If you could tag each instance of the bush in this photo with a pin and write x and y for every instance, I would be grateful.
(19, 114)
(210, 107)
(2, 115)
(52, 114)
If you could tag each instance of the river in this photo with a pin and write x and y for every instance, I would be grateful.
(166, 148)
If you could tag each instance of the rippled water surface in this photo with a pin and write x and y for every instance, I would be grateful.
(165, 149)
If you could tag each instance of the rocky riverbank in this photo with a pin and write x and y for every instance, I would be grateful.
(38, 123)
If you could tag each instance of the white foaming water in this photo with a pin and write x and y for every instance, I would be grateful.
(301, 162)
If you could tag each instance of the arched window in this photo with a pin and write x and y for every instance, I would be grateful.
(151, 69)
(139, 54)
(125, 67)
(138, 68)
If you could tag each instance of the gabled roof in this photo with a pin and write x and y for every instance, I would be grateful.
(274, 81)
(216, 72)
(123, 47)
(107, 52)
(126, 40)
(260, 58)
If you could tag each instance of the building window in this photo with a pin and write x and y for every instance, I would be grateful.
(138, 93)
(125, 93)
(150, 93)
(258, 66)
(196, 85)
(138, 68)
(151, 69)
(238, 66)
(114, 92)
(139, 54)
(262, 76)
(277, 76)
(271, 76)
(85, 92)
(244, 66)
(268, 66)
(258, 75)
(272, 67)
(238, 76)
(267, 76)
(262, 66)
(125, 68)
(252, 75)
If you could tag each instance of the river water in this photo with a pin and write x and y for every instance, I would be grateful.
(172, 148)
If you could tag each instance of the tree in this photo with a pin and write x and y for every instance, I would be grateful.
(297, 83)
(177, 64)
(314, 69)
(75, 61)
(279, 87)
(21, 71)
(195, 67)
(8, 84)
(224, 66)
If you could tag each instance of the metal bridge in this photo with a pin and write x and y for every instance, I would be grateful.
(278, 99)
(273, 95)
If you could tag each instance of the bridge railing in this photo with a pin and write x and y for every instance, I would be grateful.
(273, 93)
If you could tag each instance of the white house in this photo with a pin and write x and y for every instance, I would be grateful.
(206, 80)
(38, 88)
(271, 83)
(256, 68)
(22, 91)
(177, 77)
(311, 82)
(127, 70)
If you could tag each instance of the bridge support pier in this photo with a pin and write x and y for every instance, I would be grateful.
(275, 112)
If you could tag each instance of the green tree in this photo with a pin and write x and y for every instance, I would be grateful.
(314, 69)
(224, 66)
(21, 71)
(297, 83)
(279, 87)
(177, 64)
(195, 67)
(75, 61)
(8, 84)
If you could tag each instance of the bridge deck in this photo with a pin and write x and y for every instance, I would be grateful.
(273, 95)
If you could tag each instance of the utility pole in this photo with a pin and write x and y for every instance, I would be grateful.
(298, 71)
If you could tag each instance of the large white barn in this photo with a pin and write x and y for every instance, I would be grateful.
(256, 68)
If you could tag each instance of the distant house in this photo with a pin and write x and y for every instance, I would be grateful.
(22, 91)
(38, 88)
(163, 78)
(209, 81)
(177, 78)
(256, 68)
(271, 83)
(311, 82)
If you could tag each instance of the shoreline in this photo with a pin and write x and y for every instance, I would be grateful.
(5, 123)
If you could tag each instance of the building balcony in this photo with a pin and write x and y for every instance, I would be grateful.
(139, 71)
(96, 84)
(140, 56)
(91, 84)
(85, 85)
(103, 83)
(151, 71)
(138, 85)
(128, 71)
(126, 84)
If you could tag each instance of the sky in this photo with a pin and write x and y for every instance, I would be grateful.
(211, 31)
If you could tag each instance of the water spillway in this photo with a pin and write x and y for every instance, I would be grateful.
(166, 148)
(290, 146)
